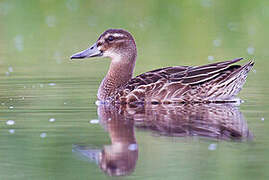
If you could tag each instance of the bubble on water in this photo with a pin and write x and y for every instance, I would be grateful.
(65, 103)
(18, 41)
(52, 84)
(210, 58)
(10, 69)
(51, 119)
(11, 131)
(24, 87)
(10, 99)
(262, 118)
(11, 107)
(58, 58)
(43, 135)
(206, 3)
(22, 98)
(232, 26)
(10, 122)
(250, 50)
(212, 147)
(94, 121)
(132, 147)
(51, 21)
(72, 5)
(4, 8)
(2, 103)
(7, 73)
(217, 42)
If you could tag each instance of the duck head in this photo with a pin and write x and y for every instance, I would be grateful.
(117, 44)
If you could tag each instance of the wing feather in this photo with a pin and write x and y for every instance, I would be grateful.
(175, 82)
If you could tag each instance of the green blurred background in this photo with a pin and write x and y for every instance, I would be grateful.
(38, 82)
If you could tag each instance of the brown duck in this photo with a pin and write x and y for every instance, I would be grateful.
(217, 82)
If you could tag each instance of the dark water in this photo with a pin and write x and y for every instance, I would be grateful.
(49, 123)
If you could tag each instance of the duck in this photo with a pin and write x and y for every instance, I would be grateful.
(215, 82)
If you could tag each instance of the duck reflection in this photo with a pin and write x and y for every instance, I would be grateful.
(217, 121)
(120, 157)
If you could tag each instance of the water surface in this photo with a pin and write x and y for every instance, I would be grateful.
(47, 103)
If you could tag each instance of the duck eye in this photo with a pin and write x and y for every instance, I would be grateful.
(110, 38)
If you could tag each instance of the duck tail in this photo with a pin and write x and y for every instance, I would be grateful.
(235, 81)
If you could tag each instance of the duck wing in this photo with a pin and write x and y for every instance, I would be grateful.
(188, 83)
(154, 76)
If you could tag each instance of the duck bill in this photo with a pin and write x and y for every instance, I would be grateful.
(88, 53)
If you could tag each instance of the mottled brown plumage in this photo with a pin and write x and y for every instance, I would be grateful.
(220, 81)
(209, 83)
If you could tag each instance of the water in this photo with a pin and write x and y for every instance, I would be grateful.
(49, 124)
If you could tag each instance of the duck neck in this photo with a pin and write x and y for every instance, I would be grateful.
(120, 71)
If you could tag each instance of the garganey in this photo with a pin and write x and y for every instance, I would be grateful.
(217, 82)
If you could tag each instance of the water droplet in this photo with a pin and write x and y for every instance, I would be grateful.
(10, 69)
(262, 118)
(10, 122)
(51, 21)
(18, 41)
(132, 147)
(11, 107)
(232, 26)
(212, 147)
(94, 121)
(211, 58)
(52, 84)
(4, 8)
(250, 50)
(217, 42)
(43, 135)
(11, 131)
(65, 103)
(51, 119)
(57, 56)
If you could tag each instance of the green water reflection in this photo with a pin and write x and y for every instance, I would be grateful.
(38, 82)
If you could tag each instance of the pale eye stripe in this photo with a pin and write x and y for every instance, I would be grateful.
(118, 35)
